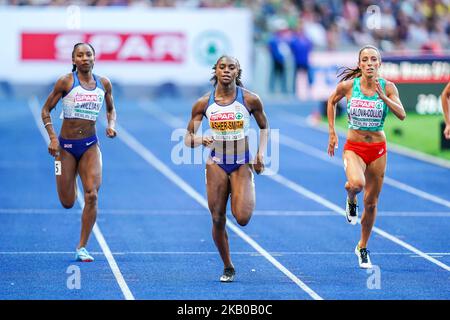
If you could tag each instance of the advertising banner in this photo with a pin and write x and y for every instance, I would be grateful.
(133, 46)
(419, 80)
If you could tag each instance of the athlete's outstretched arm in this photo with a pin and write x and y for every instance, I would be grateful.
(191, 139)
(49, 105)
(445, 99)
(392, 99)
(110, 109)
(336, 96)
(261, 119)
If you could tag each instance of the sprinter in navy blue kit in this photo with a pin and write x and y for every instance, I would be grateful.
(76, 150)
(229, 168)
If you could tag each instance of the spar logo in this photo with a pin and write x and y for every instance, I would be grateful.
(86, 98)
(223, 116)
(360, 103)
(239, 116)
(167, 47)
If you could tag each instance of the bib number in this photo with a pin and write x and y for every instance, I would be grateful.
(58, 168)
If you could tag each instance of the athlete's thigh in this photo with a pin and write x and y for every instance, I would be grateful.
(217, 188)
(374, 178)
(354, 166)
(242, 189)
(65, 181)
(90, 168)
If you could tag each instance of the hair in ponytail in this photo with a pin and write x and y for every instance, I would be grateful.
(238, 78)
(74, 66)
(351, 73)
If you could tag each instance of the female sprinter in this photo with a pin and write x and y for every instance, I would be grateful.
(369, 98)
(228, 170)
(76, 150)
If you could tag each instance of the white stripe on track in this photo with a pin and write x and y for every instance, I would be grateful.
(337, 161)
(315, 197)
(34, 107)
(250, 253)
(151, 159)
(200, 212)
(306, 123)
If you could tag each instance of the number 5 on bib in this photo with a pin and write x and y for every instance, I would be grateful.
(58, 168)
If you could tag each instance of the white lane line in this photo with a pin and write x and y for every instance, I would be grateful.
(337, 161)
(315, 197)
(34, 107)
(151, 159)
(277, 213)
(307, 123)
(252, 253)
(169, 119)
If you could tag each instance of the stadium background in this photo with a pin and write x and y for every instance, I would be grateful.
(159, 55)
(156, 48)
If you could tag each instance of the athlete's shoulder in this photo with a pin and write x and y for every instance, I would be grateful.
(68, 77)
(204, 98)
(390, 86)
(103, 79)
(250, 96)
(346, 84)
(344, 87)
(64, 82)
(105, 82)
(446, 91)
(201, 103)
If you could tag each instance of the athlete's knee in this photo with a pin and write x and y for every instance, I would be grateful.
(370, 206)
(67, 204)
(242, 216)
(219, 220)
(91, 196)
(355, 185)
(243, 221)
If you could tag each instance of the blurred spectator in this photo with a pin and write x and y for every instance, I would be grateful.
(301, 47)
(275, 45)
(330, 24)
(332, 37)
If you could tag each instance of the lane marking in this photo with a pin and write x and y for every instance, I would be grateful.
(183, 212)
(337, 161)
(305, 122)
(34, 107)
(251, 253)
(315, 197)
(151, 159)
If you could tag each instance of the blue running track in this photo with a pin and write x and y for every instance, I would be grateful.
(153, 235)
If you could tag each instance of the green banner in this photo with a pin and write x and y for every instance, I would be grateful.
(423, 98)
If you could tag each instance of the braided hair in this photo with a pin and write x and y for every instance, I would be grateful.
(74, 66)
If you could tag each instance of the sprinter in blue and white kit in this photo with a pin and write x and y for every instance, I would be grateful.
(229, 169)
(76, 150)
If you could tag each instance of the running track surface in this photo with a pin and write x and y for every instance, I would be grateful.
(153, 234)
